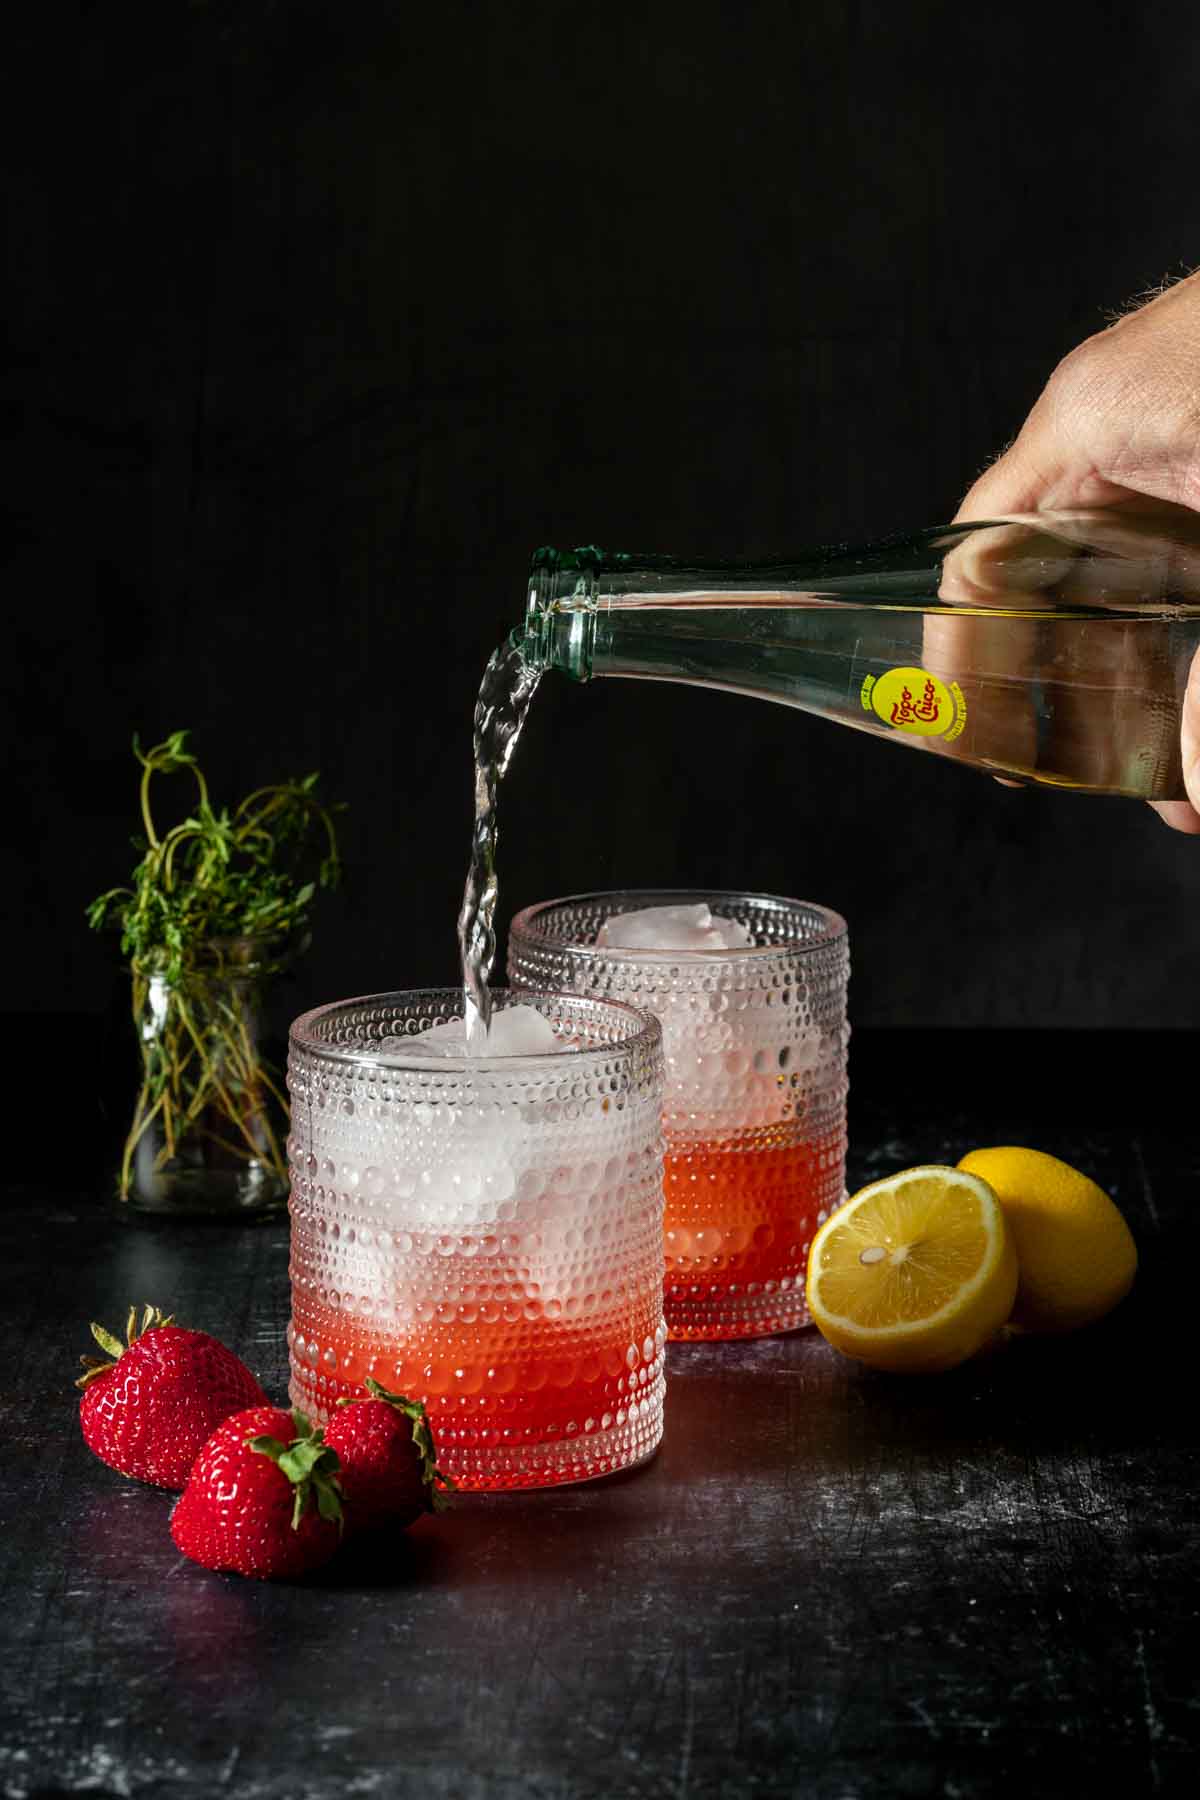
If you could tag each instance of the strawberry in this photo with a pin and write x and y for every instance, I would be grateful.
(147, 1412)
(262, 1498)
(388, 1460)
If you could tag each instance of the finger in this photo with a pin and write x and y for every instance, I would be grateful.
(1189, 735)
(1103, 684)
(1140, 552)
(1020, 480)
(1099, 557)
(1077, 699)
(1004, 564)
(1180, 815)
(1184, 815)
(993, 661)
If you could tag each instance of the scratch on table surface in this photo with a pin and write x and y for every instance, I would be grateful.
(689, 1733)
(926, 1717)
(540, 1669)
(1154, 1724)
(1145, 1182)
(102, 1772)
(978, 1497)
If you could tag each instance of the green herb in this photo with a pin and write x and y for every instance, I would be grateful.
(215, 904)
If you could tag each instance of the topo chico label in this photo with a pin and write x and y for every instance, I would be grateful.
(914, 700)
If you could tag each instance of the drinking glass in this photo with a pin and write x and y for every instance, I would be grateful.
(482, 1233)
(755, 1102)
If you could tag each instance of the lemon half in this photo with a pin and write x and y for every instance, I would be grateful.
(914, 1273)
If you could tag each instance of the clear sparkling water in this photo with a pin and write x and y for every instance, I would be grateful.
(505, 696)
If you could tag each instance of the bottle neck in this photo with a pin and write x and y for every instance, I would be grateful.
(592, 612)
(561, 607)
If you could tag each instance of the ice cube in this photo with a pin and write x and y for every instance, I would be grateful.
(672, 928)
(402, 1045)
(521, 1031)
(514, 1031)
(446, 1039)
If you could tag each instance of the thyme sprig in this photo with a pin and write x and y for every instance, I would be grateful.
(215, 903)
(218, 874)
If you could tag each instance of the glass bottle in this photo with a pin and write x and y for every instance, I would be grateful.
(1052, 648)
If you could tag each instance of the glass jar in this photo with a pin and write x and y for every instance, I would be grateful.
(209, 1128)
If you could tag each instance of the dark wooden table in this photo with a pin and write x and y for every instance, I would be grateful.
(829, 1583)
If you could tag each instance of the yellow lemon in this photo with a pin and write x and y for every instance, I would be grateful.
(1075, 1252)
(914, 1273)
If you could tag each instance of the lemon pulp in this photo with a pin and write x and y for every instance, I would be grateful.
(915, 1272)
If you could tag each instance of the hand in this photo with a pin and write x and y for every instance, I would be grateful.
(1117, 425)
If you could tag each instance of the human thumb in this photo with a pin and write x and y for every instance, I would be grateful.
(1189, 735)
(1184, 814)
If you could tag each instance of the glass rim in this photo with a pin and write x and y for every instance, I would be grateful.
(523, 927)
(646, 1037)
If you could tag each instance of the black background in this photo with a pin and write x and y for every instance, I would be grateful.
(324, 316)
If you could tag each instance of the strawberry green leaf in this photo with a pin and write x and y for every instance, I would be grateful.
(112, 1345)
(311, 1467)
(329, 1502)
(267, 1446)
(106, 1341)
(301, 1458)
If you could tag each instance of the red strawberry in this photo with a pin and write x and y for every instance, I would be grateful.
(388, 1461)
(262, 1498)
(148, 1411)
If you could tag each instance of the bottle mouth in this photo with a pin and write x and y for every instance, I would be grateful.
(559, 631)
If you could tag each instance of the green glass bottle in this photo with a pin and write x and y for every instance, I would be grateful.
(1052, 648)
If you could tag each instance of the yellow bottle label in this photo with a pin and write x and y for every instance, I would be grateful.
(914, 700)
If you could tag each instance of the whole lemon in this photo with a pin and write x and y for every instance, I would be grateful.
(1075, 1254)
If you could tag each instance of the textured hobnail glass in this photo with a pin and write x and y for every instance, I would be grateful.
(483, 1234)
(755, 1100)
